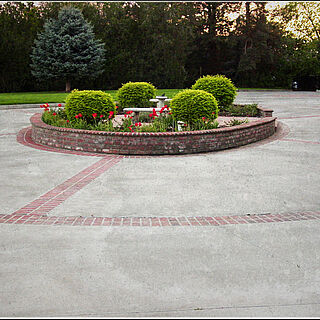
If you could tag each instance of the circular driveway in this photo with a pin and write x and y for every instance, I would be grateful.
(223, 253)
(280, 175)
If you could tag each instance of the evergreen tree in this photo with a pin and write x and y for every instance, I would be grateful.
(67, 49)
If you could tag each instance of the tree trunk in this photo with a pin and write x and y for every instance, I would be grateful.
(68, 86)
(248, 13)
(212, 18)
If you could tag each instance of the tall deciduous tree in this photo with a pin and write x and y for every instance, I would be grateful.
(67, 49)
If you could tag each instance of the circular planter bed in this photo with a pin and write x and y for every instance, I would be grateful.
(145, 143)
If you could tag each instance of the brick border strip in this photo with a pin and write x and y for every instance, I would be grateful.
(50, 200)
(297, 140)
(35, 219)
(7, 134)
(299, 117)
(143, 143)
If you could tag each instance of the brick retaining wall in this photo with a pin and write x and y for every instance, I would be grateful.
(145, 143)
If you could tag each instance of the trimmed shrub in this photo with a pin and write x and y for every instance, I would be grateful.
(190, 106)
(88, 102)
(136, 94)
(220, 86)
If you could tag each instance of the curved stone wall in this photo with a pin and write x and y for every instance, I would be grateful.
(145, 143)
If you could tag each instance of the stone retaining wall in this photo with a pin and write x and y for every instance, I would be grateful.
(144, 143)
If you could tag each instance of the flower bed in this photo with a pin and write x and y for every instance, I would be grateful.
(152, 143)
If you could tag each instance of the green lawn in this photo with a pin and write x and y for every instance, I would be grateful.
(50, 97)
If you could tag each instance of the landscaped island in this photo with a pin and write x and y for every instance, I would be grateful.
(92, 122)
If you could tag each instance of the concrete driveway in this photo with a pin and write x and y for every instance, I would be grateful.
(233, 233)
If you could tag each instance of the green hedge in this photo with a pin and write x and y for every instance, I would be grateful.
(220, 87)
(136, 94)
(88, 102)
(245, 110)
(192, 105)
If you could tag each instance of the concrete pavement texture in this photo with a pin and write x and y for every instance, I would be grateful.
(195, 268)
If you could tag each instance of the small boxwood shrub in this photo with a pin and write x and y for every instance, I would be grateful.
(191, 105)
(88, 102)
(136, 94)
(220, 87)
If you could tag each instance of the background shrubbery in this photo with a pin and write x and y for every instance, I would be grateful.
(150, 41)
(244, 110)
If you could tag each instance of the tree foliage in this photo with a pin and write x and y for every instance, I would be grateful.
(67, 49)
(170, 44)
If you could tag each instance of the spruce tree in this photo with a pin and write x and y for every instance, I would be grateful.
(67, 49)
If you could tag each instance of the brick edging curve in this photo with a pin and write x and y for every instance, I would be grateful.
(145, 143)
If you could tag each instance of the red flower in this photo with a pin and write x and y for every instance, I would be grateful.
(79, 115)
(130, 129)
(94, 115)
(101, 116)
(125, 115)
(150, 115)
(54, 114)
(170, 112)
(136, 124)
(111, 113)
(204, 118)
(59, 105)
(46, 109)
(68, 121)
(140, 124)
(212, 112)
(117, 107)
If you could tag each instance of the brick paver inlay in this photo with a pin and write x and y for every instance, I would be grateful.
(38, 211)
(50, 200)
(36, 219)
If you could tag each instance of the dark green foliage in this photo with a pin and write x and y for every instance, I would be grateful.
(19, 23)
(192, 105)
(245, 110)
(136, 94)
(170, 44)
(88, 102)
(67, 49)
(220, 87)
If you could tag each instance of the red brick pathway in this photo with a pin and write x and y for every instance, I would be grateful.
(36, 212)
(50, 200)
(36, 219)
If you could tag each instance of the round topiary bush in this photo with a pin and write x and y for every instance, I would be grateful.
(190, 106)
(220, 86)
(136, 94)
(88, 102)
